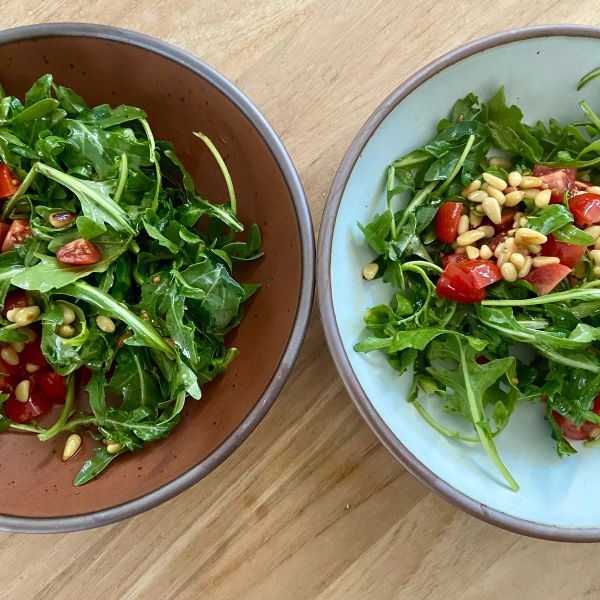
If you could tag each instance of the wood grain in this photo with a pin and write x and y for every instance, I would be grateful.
(312, 506)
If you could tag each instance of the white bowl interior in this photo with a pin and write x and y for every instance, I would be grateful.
(539, 76)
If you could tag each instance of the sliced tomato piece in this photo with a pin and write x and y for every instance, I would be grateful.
(14, 299)
(9, 184)
(569, 429)
(17, 233)
(482, 272)
(546, 278)
(51, 385)
(454, 259)
(446, 221)
(568, 254)
(507, 219)
(32, 354)
(496, 241)
(456, 284)
(558, 180)
(585, 208)
(4, 227)
(10, 370)
(21, 412)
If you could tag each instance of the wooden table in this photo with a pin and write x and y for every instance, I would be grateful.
(312, 506)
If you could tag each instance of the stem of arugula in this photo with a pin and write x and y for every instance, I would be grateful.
(65, 413)
(575, 294)
(458, 167)
(8, 207)
(416, 201)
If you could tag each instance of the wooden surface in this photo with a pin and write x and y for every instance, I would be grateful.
(312, 506)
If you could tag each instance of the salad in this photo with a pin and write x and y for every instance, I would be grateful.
(493, 265)
(115, 275)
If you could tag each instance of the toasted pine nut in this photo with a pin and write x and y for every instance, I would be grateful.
(11, 314)
(494, 181)
(472, 252)
(66, 331)
(107, 325)
(156, 279)
(595, 256)
(28, 333)
(513, 198)
(22, 390)
(593, 189)
(509, 243)
(523, 272)
(478, 196)
(18, 347)
(463, 224)
(509, 189)
(534, 248)
(594, 433)
(475, 219)
(504, 257)
(523, 222)
(470, 237)
(500, 162)
(517, 259)
(509, 272)
(31, 368)
(485, 187)
(10, 357)
(514, 178)
(460, 250)
(484, 252)
(540, 261)
(526, 236)
(114, 447)
(516, 218)
(542, 199)
(369, 271)
(528, 182)
(488, 231)
(26, 315)
(72, 444)
(594, 231)
(492, 209)
(530, 194)
(499, 249)
(61, 219)
(68, 313)
(472, 187)
(497, 195)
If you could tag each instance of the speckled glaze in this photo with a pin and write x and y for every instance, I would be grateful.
(181, 94)
(558, 498)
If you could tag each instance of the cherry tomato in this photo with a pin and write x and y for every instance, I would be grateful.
(79, 252)
(14, 299)
(456, 284)
(496, 240)
(568, 254)
(558, 180)
(569, 429)
(546, 278)
(8, 182)
(51, 385)
(446, 221)
(32, 354)
(506, 220)
(21, 412)
(482, 272)
(454, 259)
(17, 233)
(4, 227)
(585, 208)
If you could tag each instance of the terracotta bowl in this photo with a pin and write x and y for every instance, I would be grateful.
(180, 93)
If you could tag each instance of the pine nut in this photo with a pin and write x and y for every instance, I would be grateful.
(463, 224)
(526, 236)
(494, 181)
(475, 219)
(497, 195)
(523, 222)
(472, 187)
(156, 279)
(594, 255)
(542, 199)
(460, 250)
(9, 356)
(114, 447)
(22, 391)
(540, 261)
(528, 182)
(478, 196)
(485, 253)
(492, 209)
(509, 189)
(68, 314)
(485, 187)
(470, 237)
(517, 259)
(509, 244)
(18, 347)
(513, 198)
(72, 444)
(504, 257)
(593, 189)
(478, 210)
(499, 249)
(472, 252)
(28, 333)
(107, 325)
(516, 218)
(530, 194)
(488, 231)
(11, 314)
(526, 268)
(514, 178)
(61, 219)
(597, 244)
(594, 231)
(66, 331)
(31, 368)
(534, 248)
(500, 162)
(509, 272)
(594, 433)
(597, 272)
(26, 315)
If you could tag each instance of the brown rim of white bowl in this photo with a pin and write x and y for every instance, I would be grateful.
(332, 335)
(288, 359)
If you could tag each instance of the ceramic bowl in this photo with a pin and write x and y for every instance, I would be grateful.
(181, 94)
(539, 68)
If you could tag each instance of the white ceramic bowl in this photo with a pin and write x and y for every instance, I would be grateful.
(539, 68)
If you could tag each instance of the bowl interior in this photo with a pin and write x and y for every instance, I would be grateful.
(34, 481)
(540, 76)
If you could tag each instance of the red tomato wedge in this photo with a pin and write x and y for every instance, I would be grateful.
(33, 355)
(496, 240)
(585, 208)
(546, 278)
(456, 284)
(507, 219)
(568, 254)
(17, 233)
(577, 432)
(21, 412)
(51, 385)
(558, 180)
(482, 272)
(454, 259)
(446, 221)
(8, 182)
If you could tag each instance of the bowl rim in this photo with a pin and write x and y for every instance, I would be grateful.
(324, 290)
(305, 299)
